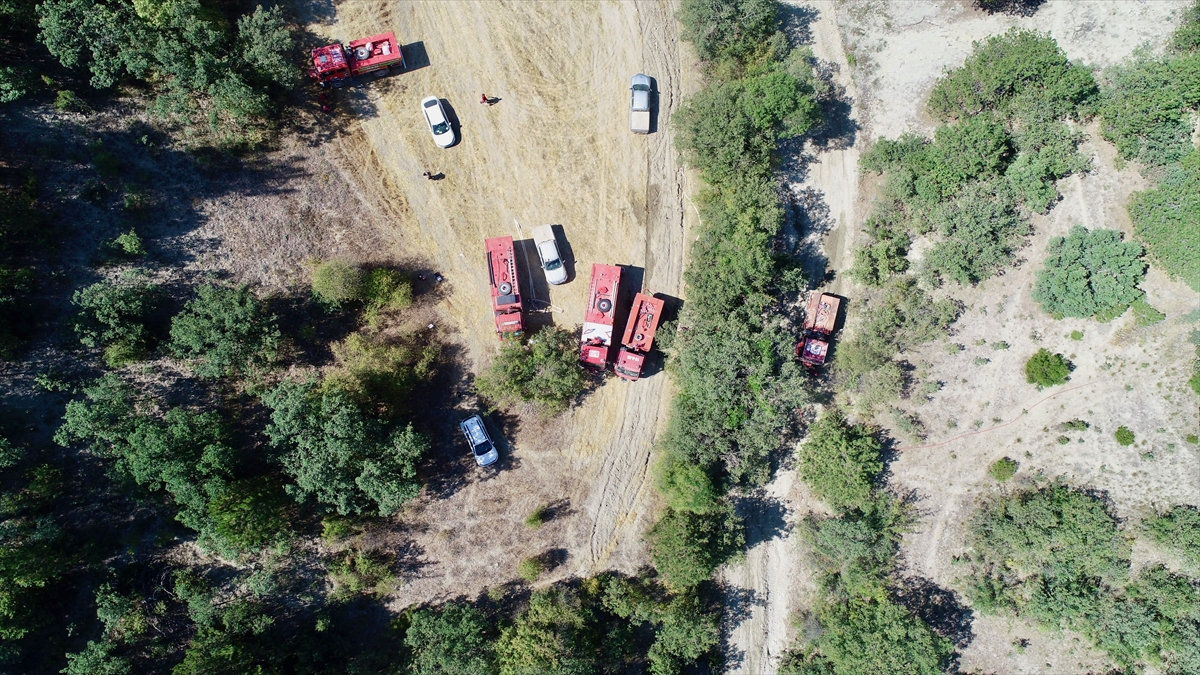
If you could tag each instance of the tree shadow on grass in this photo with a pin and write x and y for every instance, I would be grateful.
(939, 608)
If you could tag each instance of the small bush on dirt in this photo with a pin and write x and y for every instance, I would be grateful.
(537, 518)
(1179, 529)
(68, 101)
(1193, 439)
(1167, 219)
(337, 282)
(530, 569)
(225, 331)
(1074, 425)
(1076, 335)
(840, 462)
(127, 244)
(1124, 436)
(355, 572)
(1090, 273)
(1046, 369)
(457, 639)
(687, 547)
(115, 312)
(1003, 469)
(543, 370)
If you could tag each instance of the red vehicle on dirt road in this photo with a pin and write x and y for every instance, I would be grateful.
(334, 65)
(639, 336)
(506, 294)
(819, 321)
(598, 320)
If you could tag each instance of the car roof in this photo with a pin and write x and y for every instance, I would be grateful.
(640, 79)
(548, 248)
(473, 428)
(433, 110)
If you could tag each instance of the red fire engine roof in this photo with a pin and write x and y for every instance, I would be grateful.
(502, 272)
(329, 57)
(643, 322)
(602, 296)
(822, 312)
(376, 49)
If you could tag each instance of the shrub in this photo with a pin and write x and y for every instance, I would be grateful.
(1089, 273)
(98, 659)
(1167, 219)
(876, 635)
(544, 370)
(687, 486)
(552, 635)
(1144, 314)
(1193, 439)
(128, 244)
(855, 551)
(224, 332)
(251, 513)
(1179, 529)
(687, 547)
(1000, 346)
(68, 101)
(530, 569)
(728, 29)
(1123, 435)
(1076, 335)
(1144, 109)
(840, 462)
(357, 571)
(337, 282)
(380, 373)
(455, 640)
(1003, 469)
(116, 311)
(537, 518)
(1046, 369)
(385, 289)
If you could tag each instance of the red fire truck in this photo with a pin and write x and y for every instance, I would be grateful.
(506, 294)
(598, 320)
(639, 336)
(819, 322)
(334, 65)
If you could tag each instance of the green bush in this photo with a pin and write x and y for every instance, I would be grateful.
(339, 455)
(251, 513)
(687, 547)
(1187, 36)
(454, 640)
(537, 517)
(1089, 273)
(876, 635)
(1046, 369)
(356, 572)
(381, 373)
(840, 462)
(544, 370)
(1123, 435)
(68, 101)
(855, 552)
(1145, 106)
(1003, 469)
(225, 332)
(685, 485)
(98, 659)
(127, 244)
(337, 282)
(530, 569)
(116, 311)
(1167, 219)
(550, 636)
(728, 29)
(1179, 529)
(385, 289)
(1144, 314)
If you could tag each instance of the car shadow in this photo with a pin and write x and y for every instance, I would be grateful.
(653, 105)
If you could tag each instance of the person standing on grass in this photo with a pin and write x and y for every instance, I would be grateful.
(483, 98)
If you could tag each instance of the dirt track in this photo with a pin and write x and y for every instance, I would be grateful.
(555, 149)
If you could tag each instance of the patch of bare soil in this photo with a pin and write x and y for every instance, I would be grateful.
(555, 148)
(984, 410)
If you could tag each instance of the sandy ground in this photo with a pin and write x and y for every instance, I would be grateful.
(555, 149)
(1123, 376)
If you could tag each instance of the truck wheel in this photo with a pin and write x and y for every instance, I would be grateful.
(383, 72)
(604, 305)
(505, 288)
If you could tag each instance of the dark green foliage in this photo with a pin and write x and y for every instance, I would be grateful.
(1046, 369)
(201, 69)
(1178, 528)
(382, 373)
(1089, 273)
(1167, 219)
(549, 638)
(127, 244)
(1006, 70)
(113, 313)
(1187, 36)
(874, 635)
(687, 547)
(455, 640)
(840, 462)
(1123, 435)
(1145, 106)
(225, 331)
(544, 369)
(979, 232)
(97, 659)
(251, 513)
(685, 485)
(1003, 469)
(728, 29)
(337, 454)
(854, 552)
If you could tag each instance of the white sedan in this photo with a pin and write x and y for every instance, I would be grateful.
(439, 124)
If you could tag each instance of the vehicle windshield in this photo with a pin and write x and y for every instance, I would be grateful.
(441, 128)
(641, 87)
(553, 264)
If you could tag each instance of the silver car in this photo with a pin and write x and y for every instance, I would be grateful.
(639, 104)
(439, 124)
(481, 444)
(547, 249)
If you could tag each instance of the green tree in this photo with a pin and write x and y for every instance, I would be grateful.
(113, 314)
(1090, 273)
(1145, 106)
(685, 485)
(1178, 528)
(337, 454)
(873, 635)
(854, 551)
(251, 513)
(336, 282)
(840, 461)
(224, 332)
(97, 659)
(544, 369)
(1167, 219)
(728, 29)
(1046, 369)
(685, 632)
(687, 547)
(454, 640)
(381, 373)
(550, 637)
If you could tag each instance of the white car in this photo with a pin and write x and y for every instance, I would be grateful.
(547, 248)
(481, 444)
(439, 124)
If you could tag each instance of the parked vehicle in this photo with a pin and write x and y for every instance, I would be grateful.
(506, 294)
(819, 322)
(334, 65)
(547, 249)
(639, 104)
(639, 336)
(598, 319)
(439, 124)
(481, 444)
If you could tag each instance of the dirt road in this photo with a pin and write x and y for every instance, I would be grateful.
(555, 148)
